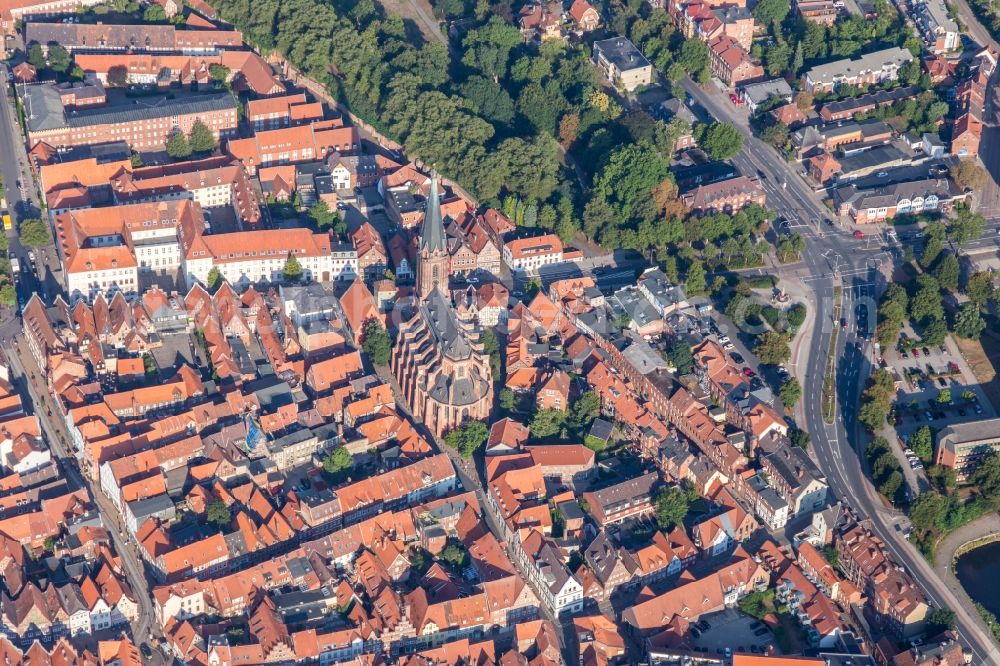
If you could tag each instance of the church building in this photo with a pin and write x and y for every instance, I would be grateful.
(439, 359)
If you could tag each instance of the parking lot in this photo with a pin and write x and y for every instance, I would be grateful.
(731, 629)
(937, 388)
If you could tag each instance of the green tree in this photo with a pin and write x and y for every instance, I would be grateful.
(926, 301)
(693, 56)
(178, 146)
(966, 226)
(770, 12)
(934, 237)
(508, 401)
(154, 14)
(790, 392)
(979, 288)
(337, 461)
(876, 399)
(585, 409)
(776, 135)
(671, 508)
(218, 72)
(201, 140)
(631, 172)
(34, 233)
(799, 437)
(940, 620)
(8, 294)
(214, 279)
(986, 476)
(218, 514)
(772, 348)
(488, 48)
(720, 140)
(59, 58)
(322, 216)
(36, 56)
(547, 423)
(50, 544)
(467, 438)
(118, 74)
(947, 271)
(293, 269)
(680, 357)
(969, 323)
(455, 555)
(922, 443)
(377, 343)
(927, 511)
(968, 174)
(694, 280)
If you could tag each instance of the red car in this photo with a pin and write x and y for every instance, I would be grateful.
(735, 99)
(859, 234)
(748, 372)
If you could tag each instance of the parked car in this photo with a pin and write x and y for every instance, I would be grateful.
(729, 346)
(737, 357)
(927, 352)
(748, 372)
(903, 354)
(928, 415)
(979, 410)
(724, 339)
(859, 234)
(942, 381)
(943, 349)
(916, 352)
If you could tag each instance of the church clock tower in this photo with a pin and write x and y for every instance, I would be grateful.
(432, 260)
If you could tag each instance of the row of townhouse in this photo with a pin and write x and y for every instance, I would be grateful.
(343, 573)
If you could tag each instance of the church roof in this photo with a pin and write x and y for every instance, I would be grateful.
(432, 236)
(443, 323)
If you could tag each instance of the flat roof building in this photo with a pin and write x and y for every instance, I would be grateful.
(622, 63)
(962, 446)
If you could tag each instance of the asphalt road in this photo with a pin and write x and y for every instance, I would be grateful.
(21, 202)
(31, 384)
(833, 257)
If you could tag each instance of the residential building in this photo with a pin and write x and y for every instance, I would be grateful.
(731, 63)
(875, 204)
(754, 95)
(823, 12)
(585, 15)
(870, 69)
(727, 196)
(961, 446)
(796, 478)
(966, 134)
(140, 37)
(144, 128)
(292, 145)
(276, 112)
(845, 109)
(622, 63)
(525, 256)
(623, 501)
(939, 29)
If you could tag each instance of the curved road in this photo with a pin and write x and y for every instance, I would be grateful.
(833, 257)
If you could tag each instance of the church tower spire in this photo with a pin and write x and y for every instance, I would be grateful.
(432, 269)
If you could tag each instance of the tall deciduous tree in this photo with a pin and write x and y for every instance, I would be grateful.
(202, 140)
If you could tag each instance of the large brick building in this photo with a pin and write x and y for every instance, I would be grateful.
(143, 127)
(439, 360)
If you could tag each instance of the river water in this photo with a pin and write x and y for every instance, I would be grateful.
(979, 572)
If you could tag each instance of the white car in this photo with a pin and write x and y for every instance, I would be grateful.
(729, 346)
(724, 339)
